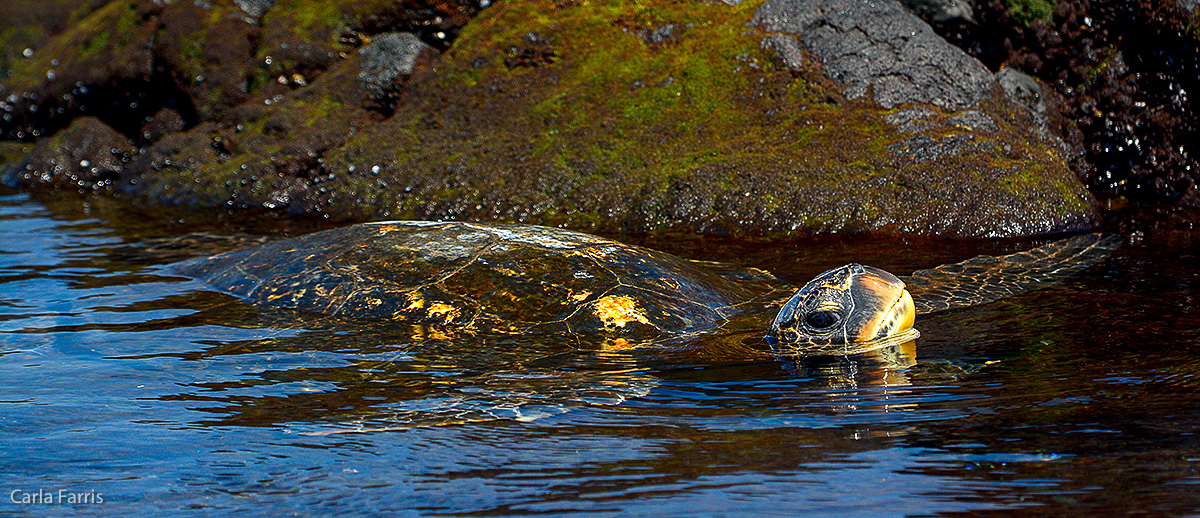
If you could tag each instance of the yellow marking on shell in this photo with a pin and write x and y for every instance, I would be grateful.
(296, 295)
(415, 300)
(444, 311)
(618, 310)
(579, 297)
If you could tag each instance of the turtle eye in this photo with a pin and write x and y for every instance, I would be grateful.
(822, 319)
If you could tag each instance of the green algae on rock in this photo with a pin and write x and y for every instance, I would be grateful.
(608, 116)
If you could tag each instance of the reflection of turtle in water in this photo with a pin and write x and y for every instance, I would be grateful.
(520, 279)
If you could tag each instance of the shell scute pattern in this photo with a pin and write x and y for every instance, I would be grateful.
(508, 277)
(524, 284)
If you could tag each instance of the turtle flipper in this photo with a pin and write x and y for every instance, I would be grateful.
(988, 278)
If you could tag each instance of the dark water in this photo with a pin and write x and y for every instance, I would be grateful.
(122, 384)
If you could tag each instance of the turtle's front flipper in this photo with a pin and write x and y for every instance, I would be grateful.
(987, 278)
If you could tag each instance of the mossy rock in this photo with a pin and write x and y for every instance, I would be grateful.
(680, 119)
(1026, 12)
(610, 116)
(10, 152)
(26, 25)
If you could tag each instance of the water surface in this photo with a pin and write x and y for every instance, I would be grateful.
(159, 397)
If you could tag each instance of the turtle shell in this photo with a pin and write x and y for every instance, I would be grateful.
(509, 278)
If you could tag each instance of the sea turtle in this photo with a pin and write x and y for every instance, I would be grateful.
(511, 278)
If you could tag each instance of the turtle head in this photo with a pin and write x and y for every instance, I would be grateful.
(845, 309)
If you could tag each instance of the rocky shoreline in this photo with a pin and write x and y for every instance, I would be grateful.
(798, 116)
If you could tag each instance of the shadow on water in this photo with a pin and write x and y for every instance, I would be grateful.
(166, 396)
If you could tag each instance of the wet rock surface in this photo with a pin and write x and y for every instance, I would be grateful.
(387, 61)
(87, 156)
(388, 57)
(941, 10)
(800, 116)
(1122, 78)
(882, 48)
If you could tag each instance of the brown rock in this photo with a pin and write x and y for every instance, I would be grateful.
(87, 156)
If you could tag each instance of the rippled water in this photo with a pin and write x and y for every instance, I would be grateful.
(121, 383)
